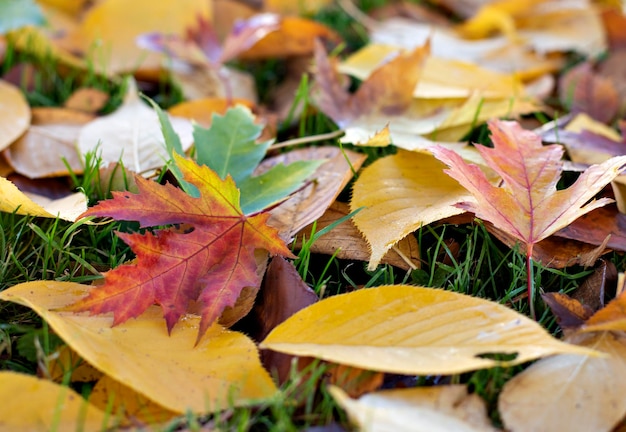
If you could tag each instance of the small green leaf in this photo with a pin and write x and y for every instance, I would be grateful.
(229, 145)
(274, 185)
(19, 13)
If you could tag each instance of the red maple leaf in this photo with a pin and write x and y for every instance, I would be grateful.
(211, 264)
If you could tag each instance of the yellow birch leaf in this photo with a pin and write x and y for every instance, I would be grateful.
(33, 404)
(400, 193)
(14, 114)
(110, 28)
(67, 208)
(415, 331)
(434, 409)
(222, 371)
(569, 392)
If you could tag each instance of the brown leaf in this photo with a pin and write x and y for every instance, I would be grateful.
(348, 242)
(595, 226)
(282, 294)
(388, 89)
(611, 317)
(50, 139)
(307, 205)
(570, 313)
(593, 291)
(585, 91)
(87, 99)
(615, 26)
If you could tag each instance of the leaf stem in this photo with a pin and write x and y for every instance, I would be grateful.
(530, 280)
(308, 139)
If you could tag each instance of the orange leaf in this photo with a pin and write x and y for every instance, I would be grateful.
(610, 317)
(210, 264)
(527, 205)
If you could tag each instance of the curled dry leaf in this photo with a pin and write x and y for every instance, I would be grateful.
(569, 392)
(14, 114)
(433, 409)
(413, 330)
(30, 403)
(346, 242)
(133, 134)
(223, 370)
(50, 140)
(310, 203)
(594, 227)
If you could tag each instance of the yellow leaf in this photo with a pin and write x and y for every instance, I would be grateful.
(441, 78)
(413, 330)
(569, 392)
(133, 134)
(288, 7)
(14, 114)
(33, 404)
(223, 370)
(400, 193)
(434, 409)
(13, 200)
(109, 30)
(126, 403)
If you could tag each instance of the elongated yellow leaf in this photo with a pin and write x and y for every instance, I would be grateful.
(14, 200)
(400, 193)
(568, 392)
(432, 409)
(33, 404)
(223, 370)
(413, 330)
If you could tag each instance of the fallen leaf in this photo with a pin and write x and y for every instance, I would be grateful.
(50, 140)
(66, 360)
(30, 403)
(346, 242)
(87, 99)
(132, 134)
(201, 110)
(383, 92)
(282, 294)
(527, 206)
(594, 227)
(434, 409)
(109, 29)
(310, 203)
(569, 312)
(211, 264)
(569, 392)
(222, 371)
(14, 114)
(13, 200)
(597, 287)
(401, 193)
(584, 91)
(413, 330)
(126, 404)
(610, 317)
(294, 36)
